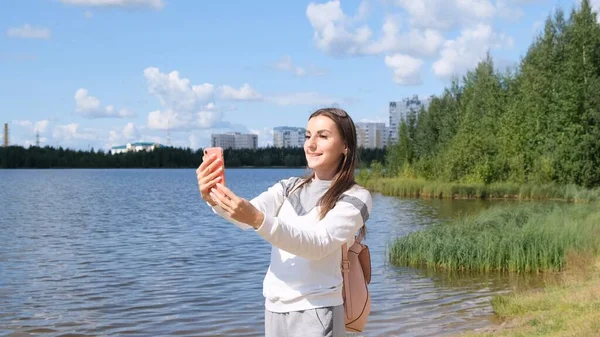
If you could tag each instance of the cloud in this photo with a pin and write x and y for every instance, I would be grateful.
(286, 64)
(169, 119)
(334, 32)
(447, 14)
(468, 49)
(265, 136)
(424, 42)
(152, 4)
(338, 34)
(89, 107)
(184, 106)
(245, 93)
(508, 10)
(29, 32)
(40, 126)
(596, 7)
(302, 98)
(88, 14)
(129, 133)
(72, 131)
(177, 93)
(407, 69)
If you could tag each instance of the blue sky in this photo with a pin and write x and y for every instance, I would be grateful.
(97, 73)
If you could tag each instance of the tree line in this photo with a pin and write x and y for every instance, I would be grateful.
(538, 122)
(162, 157)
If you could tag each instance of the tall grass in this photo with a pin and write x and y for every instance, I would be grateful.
(521, 238)
(418, 188)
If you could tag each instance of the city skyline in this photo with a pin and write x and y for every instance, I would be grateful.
(103, 73)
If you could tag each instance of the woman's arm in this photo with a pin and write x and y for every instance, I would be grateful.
(339, 225)
(267, 203)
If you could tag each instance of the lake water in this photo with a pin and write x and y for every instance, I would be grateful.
(138, 253)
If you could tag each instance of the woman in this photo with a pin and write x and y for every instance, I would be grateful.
(306, 220)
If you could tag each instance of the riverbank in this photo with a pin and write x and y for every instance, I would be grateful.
(558, 241)
(420, 188)
(571, 307)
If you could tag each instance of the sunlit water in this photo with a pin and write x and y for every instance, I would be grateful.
(138, 253)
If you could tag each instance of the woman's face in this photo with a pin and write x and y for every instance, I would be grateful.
(323, 147)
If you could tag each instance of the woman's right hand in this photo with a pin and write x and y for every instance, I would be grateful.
(208, 176)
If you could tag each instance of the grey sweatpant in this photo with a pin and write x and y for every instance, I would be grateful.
(320, 322)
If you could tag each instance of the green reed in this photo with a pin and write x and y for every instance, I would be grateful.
(418, 188)
(519, 238)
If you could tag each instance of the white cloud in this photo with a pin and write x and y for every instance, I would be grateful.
(129, 133)
(407, 69)
(302, 98)
(175, 92)
(338, 34)
(418, 41)
(40, 126)
(334, 32)
(90, 107)
(596, 7)
(153, 4)
(245, 93)
(29, 32)
(508, 10)
(287, 65)
(169, 119)
(468, 49)
(184, 106)
(447, 14)
(265, 136)
(88, 14)
(72, 131)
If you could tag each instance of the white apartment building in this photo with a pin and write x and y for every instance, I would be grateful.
(371, 135)
(286, 136)
(234, 140)
(399, 111)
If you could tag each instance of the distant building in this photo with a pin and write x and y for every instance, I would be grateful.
(286, 136)
(234, 140)
(371, 135)
(134, 147)
(399, 111)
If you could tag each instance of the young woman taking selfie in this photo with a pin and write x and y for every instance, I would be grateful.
(306, 220)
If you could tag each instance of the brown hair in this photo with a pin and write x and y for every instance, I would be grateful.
(344, 177)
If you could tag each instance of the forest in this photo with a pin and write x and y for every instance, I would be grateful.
(537, 122)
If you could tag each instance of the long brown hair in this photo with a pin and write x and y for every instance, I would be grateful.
(344, 177)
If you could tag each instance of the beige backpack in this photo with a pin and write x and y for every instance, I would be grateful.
(356, 271)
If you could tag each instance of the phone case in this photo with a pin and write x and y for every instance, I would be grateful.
(218, 151)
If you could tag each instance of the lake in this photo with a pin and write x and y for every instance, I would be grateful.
(137, 252)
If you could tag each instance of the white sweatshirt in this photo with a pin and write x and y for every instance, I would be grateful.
(306, 255)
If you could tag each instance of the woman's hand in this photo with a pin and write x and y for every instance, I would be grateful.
(208, 175)
(237, 208)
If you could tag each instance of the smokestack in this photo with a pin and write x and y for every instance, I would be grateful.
(5, 134)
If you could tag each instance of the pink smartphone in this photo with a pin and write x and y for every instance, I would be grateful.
(218, 152)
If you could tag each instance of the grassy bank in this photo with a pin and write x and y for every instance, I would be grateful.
(522, 238)
(417, 188)
(569, 308)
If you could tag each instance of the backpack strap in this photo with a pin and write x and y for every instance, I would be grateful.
(346, 276)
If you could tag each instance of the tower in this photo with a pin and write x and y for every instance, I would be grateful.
(5, 134)
(37, 138)
(169, 131)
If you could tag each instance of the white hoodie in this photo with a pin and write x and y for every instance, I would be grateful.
(305, 271)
